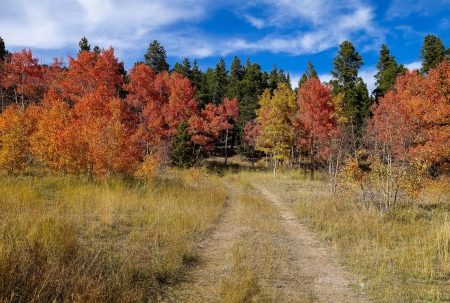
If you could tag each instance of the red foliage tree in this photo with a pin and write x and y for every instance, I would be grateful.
(89, 71)
(22, 79)
(251, 131)
(411, 123)
(315, 120)
(159, 102)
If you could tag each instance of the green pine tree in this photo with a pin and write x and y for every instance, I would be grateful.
(3, 50)
(278, 76)
(237, 73)
(220, 82)
(388, 69)
(184, 69)
(251, 87)
(97, 49)
(84, 45)
(346, 80)
(203, 94)
(432, 53)
(310, 73)
(182, 155)
(196, 78)
(156, 57)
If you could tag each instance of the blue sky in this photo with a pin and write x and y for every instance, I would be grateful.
(287, 33)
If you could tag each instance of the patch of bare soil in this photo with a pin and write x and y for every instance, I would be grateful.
(313, 260)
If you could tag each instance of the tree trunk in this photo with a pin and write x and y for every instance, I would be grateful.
(312, 157)
(226, 147)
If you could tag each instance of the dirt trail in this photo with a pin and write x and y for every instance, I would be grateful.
(331, 283)
(306, 273)
(201, 284)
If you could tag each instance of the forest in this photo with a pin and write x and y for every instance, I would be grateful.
(88, 150)
(92, 117)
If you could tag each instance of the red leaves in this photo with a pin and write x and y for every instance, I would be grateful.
(413, 121)
(160, 102)
(213, 120)
(24, 77)
(314, 120)
(88, 72)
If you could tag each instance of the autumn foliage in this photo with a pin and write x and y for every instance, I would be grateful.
(411, 122)
(315, 121)
(86, 119)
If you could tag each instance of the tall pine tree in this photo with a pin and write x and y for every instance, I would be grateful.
(84, 45)
(156, 57)
(310, 73)
(237, 73)
(388, 69)
(3, 50)
(346, 80)
(220, 82)
(432, 53)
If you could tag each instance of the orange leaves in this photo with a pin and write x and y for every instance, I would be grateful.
(413, 121)
(88, 72)
(16, 124)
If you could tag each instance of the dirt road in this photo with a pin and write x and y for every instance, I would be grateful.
(264, 241)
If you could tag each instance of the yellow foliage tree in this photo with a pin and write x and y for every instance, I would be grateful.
(277, 118)
(15, 127)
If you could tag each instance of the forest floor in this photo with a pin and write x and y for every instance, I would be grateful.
(259, 251)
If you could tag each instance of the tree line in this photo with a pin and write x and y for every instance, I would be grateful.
(93, 117)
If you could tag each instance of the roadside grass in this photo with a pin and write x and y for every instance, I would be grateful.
(64, 239)
(403, 255)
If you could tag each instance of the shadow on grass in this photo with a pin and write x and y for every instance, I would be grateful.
(214, 166)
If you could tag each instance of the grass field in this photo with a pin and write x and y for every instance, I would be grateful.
(65, 239)
(68, 240)
(403, 255)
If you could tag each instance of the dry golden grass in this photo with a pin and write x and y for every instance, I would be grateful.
(402, 254)
(66, 240)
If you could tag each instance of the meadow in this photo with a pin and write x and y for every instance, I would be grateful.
(70, 239)
(65, 239)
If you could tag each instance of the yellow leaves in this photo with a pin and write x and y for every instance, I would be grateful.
(338, 114)
(277, 116)
(15, 126)
(148, 167)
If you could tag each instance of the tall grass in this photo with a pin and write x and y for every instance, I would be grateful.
(68, 240)
(403, 254)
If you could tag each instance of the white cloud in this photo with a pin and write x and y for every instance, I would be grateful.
(296, 28)
(414, 65)
(404, 8)
(367, 74)
(325, 77)
(256, 22)
(56, 24)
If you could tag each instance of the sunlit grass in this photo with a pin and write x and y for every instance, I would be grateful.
(69, 240)
(402, 254)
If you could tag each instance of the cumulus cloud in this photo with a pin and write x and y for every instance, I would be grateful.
(55, 24)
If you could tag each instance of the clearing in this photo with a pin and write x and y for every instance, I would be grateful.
(259, 251)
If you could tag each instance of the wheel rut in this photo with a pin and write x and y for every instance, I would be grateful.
(300, 268)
